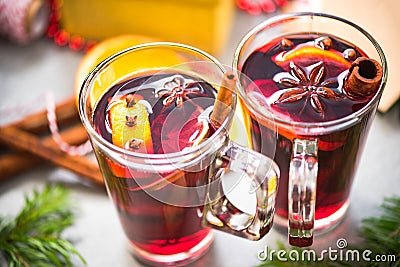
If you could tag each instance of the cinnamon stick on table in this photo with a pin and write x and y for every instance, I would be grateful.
(66, 114)
(16, 162)
(38, 124)
(28, 142)
(223, 103)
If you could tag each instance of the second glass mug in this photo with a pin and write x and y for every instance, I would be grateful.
(317, 160)
(162, 199)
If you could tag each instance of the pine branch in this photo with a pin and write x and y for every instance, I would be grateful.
(33, 237)
(381, 236)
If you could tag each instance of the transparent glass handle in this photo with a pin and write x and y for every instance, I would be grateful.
(262, 173)
(302, 191)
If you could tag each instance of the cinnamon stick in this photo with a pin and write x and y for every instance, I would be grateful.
(364, 78)
(38, 124)
(32, 144)
(223, 103)
(17, 162)
(66, 113)
(14, 163)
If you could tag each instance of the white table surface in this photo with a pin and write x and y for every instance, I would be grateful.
(27, 73)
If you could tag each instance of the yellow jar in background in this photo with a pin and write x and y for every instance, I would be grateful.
(205, 24)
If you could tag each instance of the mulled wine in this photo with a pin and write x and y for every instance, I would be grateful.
(300, 79)
(159, 131)
(156, 114)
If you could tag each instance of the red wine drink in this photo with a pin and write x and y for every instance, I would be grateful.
(302, 111)
(158, 117)
(292, 94)
(151, 225)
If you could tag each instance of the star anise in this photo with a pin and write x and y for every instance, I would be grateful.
(176, 90)
(300, 85)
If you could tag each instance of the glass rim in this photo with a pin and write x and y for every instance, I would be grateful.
(307, 125)
(204, 146)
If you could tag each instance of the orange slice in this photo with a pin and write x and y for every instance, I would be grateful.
(306, 53)
(130, 126)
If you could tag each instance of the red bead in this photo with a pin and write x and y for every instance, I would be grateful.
(254, 8)
(242, 4)
(52, 30)
(61, 38)
(268, 6)
(281, 2)
(76, 43)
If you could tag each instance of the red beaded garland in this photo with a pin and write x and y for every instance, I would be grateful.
(62, 37)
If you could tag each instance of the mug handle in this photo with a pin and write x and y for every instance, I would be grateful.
(220, 213)
(303, 172)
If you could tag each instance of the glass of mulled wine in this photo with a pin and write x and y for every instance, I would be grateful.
(166, 157)
(315, 80)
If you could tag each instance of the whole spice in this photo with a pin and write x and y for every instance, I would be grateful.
(16, 162)
(349, 54)
(32, 135)
(286, 43)
(131, 120)
(225, 98)
(364, 78)
(176, 90)
(134, 144)
(130, 101)
(25, 141)
(324, 42)
(310, 87)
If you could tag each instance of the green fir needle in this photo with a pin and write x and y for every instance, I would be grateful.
(33, 237)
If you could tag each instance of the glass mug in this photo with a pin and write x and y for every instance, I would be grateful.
(168, 202)
(317, 159)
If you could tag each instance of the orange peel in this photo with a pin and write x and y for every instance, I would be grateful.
(306, 53)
